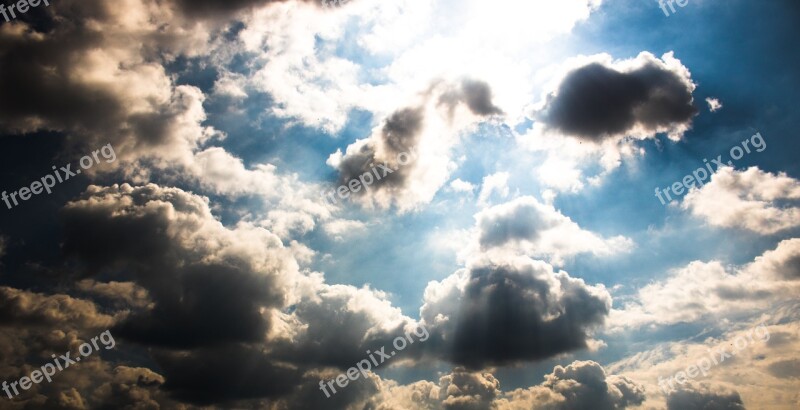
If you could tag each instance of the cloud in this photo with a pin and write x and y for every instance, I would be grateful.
(163, 237)
(104, 82)
(219, 9)
(458, 185)
(704, 396)
(752, 199)
(786, 369)
(703, 290)
(527, 226)
(407, 158)
(121, 293)
(499, 313)
(495, 183)
(713, 104)
(642, 96)
(580, 385)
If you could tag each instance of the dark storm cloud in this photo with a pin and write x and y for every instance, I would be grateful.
(512, 313)
(211, 304)
(140, 238)
(221, 8)
(229, 373)
(53, 81)
(703, 397)
(595, 102)
(307, 395)
(183, 317)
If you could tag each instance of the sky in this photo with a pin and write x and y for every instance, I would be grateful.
(427, 204)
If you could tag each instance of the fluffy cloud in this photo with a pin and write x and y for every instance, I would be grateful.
(752, 199)
(36, 326)
(714, 104)
(594, 104)
(407, 159)
(532, 228)
(756, 346)
(104, 82)
(511, 311)
(642, 96)
(702, 290)
(704, 397)
(581, 385)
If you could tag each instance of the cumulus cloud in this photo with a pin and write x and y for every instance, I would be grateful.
(751, 199)
(104, 82)
(755, 345)
(704, 396)
(701, 290)
(406, 160)
(580, 385)
(510, 311)
(527, 226)
(642, 96)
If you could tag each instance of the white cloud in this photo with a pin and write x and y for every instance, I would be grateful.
(754, 371)
(752, 199)
(496, 183)
(341, 228)
(714, 104)
(526, 226)
(701, 291)
(458, 185)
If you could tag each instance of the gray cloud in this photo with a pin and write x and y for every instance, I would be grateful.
(785, 369)
(477, 95)
(704, 397)
(595, 102)
(401, 133)
(513, 312)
